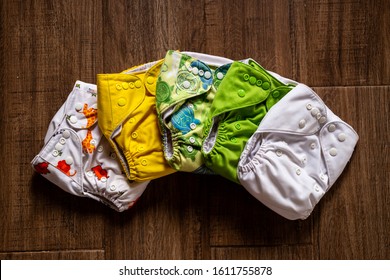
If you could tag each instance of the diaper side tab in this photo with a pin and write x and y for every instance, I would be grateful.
(243, 86)
(114, 101)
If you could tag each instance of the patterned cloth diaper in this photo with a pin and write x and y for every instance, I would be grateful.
(185, 89)
(243, 99)
(128, 119)
(298, 151)
(77, 158)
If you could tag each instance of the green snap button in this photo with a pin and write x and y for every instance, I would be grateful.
(266, 85)
(259, 82)
(237, 126)
(252, 80)
(276, 94)
(233, 139)
(246, 77)
(241, 93)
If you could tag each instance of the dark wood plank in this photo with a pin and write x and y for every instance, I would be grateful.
(47, 46)
(143, 31)
(256, 29)
(341, 42)
(298, 252)
(166, 223)
(54, 255)
(355, 213)
(236, 218)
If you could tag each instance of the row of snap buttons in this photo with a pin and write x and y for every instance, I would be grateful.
(201, 73)
(125, 86)
(258, 82)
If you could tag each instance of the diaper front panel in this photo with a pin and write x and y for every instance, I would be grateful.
(135, 137)
(242, 101)
(296, 154)
(185, 90)
(77, 157)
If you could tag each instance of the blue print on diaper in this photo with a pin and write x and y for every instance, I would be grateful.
(184, 119)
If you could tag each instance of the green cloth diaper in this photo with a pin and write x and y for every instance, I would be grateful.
(244, 97)
(185, 90)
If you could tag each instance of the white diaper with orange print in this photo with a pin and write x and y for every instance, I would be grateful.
(78, 159)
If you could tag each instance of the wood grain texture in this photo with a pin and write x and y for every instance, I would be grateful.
(341, 48)
(54, 255)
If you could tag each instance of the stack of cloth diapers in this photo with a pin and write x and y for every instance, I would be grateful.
(199, 113)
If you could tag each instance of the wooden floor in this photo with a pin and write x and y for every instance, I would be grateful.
(340, 48)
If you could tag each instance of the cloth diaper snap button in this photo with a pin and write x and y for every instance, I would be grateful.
(112, 188)
(265, 85)
(322, 120)
(259, 83)
(125, 85)
(55, 153)
(316, 187)
(298, 171)
(312, 146)
(118, 87)
(246, 77)
(241, 93)
(195, 70)
(237, 126)
(220, 75)
(207, 75)
(62, 141)
(192, 140)
(309, 106)
(190, 149)
(252, 80)
(186, 84)
(131, 85)
(331, 128)
(276, 94)
(314, 111)
(59, 147)
(121, 102)
(279, 153)
(150, 80)
(103, 179)
(66, 134)
(341, 137)
(302, 123)
(192, 126)
(78, 107)
(134, 135)
(100, 149)
(140, 148)
(69, 160)
(201, 73)
(90, 173)
(73, 119)
(144, 162)
(137, 84)
(333, 152)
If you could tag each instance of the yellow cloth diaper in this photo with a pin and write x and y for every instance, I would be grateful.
(128, 119)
